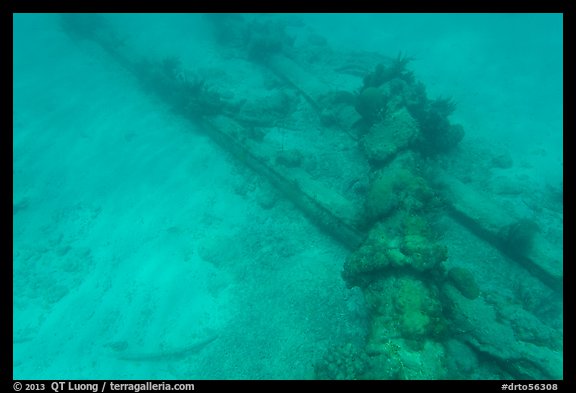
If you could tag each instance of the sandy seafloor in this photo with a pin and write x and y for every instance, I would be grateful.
(134, 234)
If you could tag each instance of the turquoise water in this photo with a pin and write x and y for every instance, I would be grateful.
(142, 249)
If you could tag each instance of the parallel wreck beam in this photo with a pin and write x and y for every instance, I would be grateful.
(318, 214)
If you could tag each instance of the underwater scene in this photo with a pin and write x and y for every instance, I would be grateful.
(288, 196)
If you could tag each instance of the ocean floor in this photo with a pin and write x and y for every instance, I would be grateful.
(142, 250)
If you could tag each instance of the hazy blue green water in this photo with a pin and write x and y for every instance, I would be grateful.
(135, 237)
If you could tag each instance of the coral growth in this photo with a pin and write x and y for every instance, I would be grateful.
(383, 74)
(397, 188)
(395, 132)
(383, 253)
(257, 38)
(371, 104)
(402, 306)
(518, 237)
(419, 311)
(439, 135)
(390, 88)
(345, 362)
